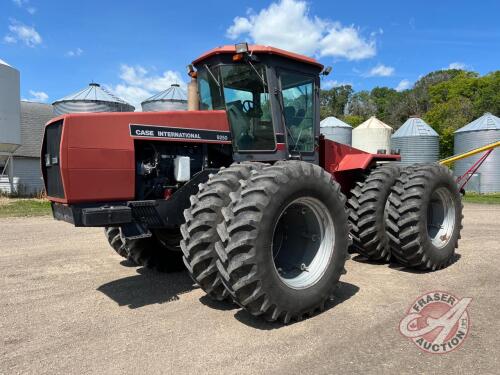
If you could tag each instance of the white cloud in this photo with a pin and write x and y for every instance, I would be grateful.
(9, 39)
(25, 4)
(287, 24)
(327, 85)
(22, 33)
(381, 71)
(37, 96)
(138, 84)
(457, 65)
(74, 53)
(403, 85)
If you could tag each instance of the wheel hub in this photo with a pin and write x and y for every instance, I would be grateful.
(303, 242)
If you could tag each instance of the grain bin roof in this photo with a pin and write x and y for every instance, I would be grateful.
(485, 122)
(373, 123)
(333, 122)
(415, 127)
(173, 93)
(94, 92)
(3, 62)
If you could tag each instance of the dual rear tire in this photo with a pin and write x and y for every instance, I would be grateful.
(412, 214)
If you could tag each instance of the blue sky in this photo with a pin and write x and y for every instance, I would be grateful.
(138, 48)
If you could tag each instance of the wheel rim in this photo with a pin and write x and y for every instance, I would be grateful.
(441, 217)
(303, 242)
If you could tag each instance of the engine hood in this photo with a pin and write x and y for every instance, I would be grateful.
(95, 151)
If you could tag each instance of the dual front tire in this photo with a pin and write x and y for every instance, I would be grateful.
(280, 240)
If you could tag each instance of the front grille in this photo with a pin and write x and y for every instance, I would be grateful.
(51, 160)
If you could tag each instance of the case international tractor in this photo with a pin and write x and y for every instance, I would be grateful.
(244, 190)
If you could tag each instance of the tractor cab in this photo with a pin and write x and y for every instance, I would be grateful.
(271, 98)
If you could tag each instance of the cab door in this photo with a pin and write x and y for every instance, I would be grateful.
(299, 96)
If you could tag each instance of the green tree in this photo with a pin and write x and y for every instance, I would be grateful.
(334, 101)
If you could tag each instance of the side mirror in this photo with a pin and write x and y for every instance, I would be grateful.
(326, 71)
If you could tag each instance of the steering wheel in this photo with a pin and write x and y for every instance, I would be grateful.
(248, 106)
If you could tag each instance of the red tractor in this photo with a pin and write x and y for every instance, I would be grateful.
(244, 189)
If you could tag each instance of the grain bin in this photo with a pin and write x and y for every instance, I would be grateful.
(336, 130)
(93, 98)
(480, 132)
(372, 136)
(416, 141)
(10, 109)
(172, 99)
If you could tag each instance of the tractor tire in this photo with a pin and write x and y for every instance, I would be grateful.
(148, 252)
(424, 217)
(152, 253)
(367, 210)
(284, 241)
(200, 229)
(114, 237)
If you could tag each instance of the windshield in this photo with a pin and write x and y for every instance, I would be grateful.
(242, 91)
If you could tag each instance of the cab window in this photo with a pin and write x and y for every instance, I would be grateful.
(248, 107)
(298, 107)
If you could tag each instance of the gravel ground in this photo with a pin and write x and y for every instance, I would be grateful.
(67, 306)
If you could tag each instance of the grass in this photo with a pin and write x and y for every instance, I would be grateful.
(24, 207)
(14, 207)
(482, 198)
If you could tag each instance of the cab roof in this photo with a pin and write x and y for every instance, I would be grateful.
(259, 49)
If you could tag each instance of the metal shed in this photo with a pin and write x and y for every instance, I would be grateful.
(93, 98)
(480, 132)
(416, 141)
(24, 164)
(336, 130)
(172, 99)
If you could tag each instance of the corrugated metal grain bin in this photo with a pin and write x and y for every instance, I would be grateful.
(336, 130)
(10, 110)
(172, 99)
(372, 136)
(416, 141)
(93, 98)
(480, 132)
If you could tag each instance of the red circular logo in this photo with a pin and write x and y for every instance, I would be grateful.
(437, 322)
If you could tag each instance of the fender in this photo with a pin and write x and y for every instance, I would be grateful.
(344, 162)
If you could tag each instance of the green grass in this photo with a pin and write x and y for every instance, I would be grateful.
(482, 198)
(24, 207)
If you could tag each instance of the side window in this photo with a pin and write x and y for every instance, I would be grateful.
(248, 108)
(209, 90)
(297, 91)
(204, 90)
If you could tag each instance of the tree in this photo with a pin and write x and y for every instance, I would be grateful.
(334, 101)
(362, 104)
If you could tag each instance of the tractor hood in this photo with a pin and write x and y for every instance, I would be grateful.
(90, 157)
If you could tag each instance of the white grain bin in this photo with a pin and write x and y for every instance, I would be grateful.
(336, 130)
(416, 141)
(10, 109)
(480, 132)
(172, 99)
(93, 98)
(372, 136)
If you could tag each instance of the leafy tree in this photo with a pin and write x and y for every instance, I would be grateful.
(354, 120)
(333, 102)
(362, 104)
